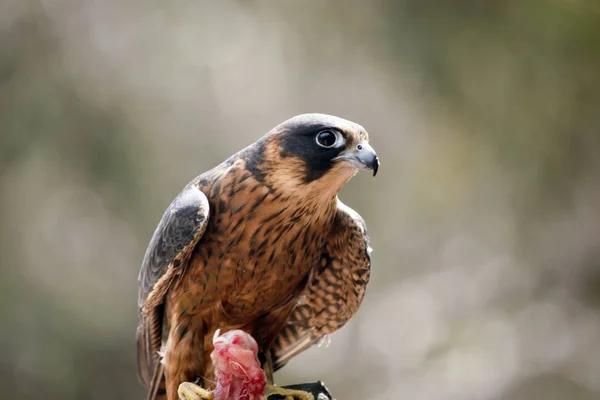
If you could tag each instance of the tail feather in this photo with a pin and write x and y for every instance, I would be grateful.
(158, 387)
(295, 337)
(142, 359)
(149, 338)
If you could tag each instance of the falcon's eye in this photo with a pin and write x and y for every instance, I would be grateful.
(329, 139)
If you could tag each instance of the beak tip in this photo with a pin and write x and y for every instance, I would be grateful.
(376, 166)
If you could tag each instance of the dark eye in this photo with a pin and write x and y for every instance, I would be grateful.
(328, 139)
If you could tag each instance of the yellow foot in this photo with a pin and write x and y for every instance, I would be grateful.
(278, 393)
(190, 391)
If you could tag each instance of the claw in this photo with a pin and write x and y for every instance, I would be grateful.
(279, 393)
(191, 391)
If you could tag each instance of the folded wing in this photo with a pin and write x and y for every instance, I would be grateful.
(335, 289)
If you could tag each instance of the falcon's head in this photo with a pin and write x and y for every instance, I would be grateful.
(314, 151)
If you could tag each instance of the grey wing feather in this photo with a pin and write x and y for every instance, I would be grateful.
(179, 230)
(183, 222)
(335, 289)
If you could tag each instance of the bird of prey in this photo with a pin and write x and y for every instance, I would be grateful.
(260, 243)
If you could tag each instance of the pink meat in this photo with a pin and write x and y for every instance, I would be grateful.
(238, 374)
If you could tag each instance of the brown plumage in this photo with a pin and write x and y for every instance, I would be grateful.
(259, 243)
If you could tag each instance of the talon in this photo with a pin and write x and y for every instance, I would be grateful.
(191, 391)
(279, 393)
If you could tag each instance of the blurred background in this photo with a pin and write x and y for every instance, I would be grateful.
(485, 217)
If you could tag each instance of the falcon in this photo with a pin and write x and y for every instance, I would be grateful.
(262, 244)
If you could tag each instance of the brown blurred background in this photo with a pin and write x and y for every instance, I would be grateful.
(485, 218)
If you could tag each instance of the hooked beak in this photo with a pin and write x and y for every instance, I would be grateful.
(363, 156)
